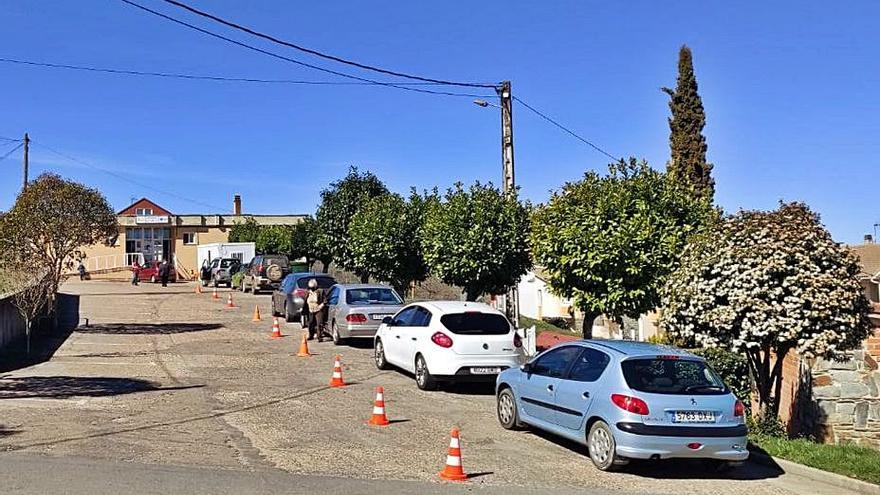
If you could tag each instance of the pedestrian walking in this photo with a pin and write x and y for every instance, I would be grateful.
(82, 271)
(316, 305)
(164, 272)
(135, 272)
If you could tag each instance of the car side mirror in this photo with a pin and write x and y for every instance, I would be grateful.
(388, 321)
(526, 368)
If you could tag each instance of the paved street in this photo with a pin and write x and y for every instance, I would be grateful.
(182, 390)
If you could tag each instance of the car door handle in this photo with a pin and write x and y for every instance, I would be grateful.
(397, 336)
(413, 338)
(586, 395)
(549, 388)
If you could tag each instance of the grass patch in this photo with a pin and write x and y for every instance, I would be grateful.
(541, 326)
(848, 460)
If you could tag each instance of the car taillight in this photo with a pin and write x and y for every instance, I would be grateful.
(299, 293)
(356, 318)
(261, 269)
(442, 340)
(630, 404)
(517, 340)
(739, 410)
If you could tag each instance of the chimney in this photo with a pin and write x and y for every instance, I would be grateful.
(236, 205)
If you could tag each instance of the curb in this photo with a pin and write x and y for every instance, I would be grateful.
(834, 479)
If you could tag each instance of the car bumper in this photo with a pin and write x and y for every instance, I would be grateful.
(459, 369)
(357, 331)
(647, 445)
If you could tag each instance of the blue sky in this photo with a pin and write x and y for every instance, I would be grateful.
(790, 90)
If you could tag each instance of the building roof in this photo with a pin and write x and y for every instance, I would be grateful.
(869, 257)
(130, 210)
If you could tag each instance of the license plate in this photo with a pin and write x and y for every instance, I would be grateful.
(693, 417)
(379, 317)
(486, 371)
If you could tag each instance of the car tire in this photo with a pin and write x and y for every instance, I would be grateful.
(334, 333)
(287, 316)
(603, 448)
(379, 356)
(424, 379)
(508, 415)
(275, 312)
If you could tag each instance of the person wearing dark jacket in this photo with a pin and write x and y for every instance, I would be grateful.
(165, 272)
(315, 308)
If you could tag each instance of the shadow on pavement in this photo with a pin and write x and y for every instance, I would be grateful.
(44, 340)
(146, 328)
(5, 432)
(60, 387)
(674, 469)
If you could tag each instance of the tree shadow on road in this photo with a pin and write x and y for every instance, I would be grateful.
(62, 387)
(146, 328)
(5, 432)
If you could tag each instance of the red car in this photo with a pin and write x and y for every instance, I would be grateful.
(150, 272)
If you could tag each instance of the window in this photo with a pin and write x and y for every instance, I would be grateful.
(189, 238)
(323, 282)
(476, 323)
(238, 256)
(670, 375)
(404, 317)
(372, 295)
(555, 362)
(421, 318)
(588, 367)
(143, 211)
(333, 298)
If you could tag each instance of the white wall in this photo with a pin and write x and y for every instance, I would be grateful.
(535, 299)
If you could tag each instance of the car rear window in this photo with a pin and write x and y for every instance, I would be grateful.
(665, 375)
(323, 282)
(475, 323)
(372, 295)
(227, 263)
(281, 261)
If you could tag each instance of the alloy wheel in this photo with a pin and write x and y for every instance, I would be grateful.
(505, 409)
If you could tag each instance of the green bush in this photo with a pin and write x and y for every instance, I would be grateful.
(766, 425)
(733, 369)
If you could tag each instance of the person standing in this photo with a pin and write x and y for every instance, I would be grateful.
(164, 272)
(316, 304)
(82, 270)
(135, 272)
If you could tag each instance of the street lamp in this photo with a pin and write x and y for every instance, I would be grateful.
(484, 104)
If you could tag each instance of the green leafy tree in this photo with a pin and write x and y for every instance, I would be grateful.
(477, 239)
(686, 141)
(246, 231)
(275, 239)
(609, 242)
(339, 203)
(385, 240)
(51, 221)
(765, 284)
(307, 243)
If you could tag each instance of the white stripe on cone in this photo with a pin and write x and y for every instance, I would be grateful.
(453, 443)
(378, 410)
(453, 461)
(380, 396)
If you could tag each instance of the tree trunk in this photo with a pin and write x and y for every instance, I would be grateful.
(471, 295)
(325, 268)
(27, 333)
(365, 278)
(587, 325)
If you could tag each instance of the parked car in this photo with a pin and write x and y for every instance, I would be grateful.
(626, 400)
(150, 271)
(289, 298)
(221, 270)
(266, 272)
(448, 341)
(357, 310)
(238, 275)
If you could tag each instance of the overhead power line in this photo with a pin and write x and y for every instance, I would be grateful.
(194, 76)
(13, 150)
(125, 178)
(566, 129)
(292, 60)
(326, 56)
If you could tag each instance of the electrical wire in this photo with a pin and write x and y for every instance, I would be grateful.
(195, 76)
(310, 51)
(13, 150)
(292, 60)
(9, 139)
(127, 179)
(566, 129)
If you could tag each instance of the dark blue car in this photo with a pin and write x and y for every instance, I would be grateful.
(288, 299)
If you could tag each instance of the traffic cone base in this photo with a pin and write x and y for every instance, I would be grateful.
(215, 295)
(229, 303)
(256, 314)
(453, 470)
(336, 380)
(378, 418)
(276, 330)
(304, 347)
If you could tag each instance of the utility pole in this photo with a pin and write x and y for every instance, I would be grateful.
(27, 142)
(508, 184)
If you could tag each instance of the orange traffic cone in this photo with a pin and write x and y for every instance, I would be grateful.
(276, 330)
(453, 470)
(198, 288)
(336, 380)
(229, 303)
(378, 418)
(256, 314)
(304, 347)
(215, 295)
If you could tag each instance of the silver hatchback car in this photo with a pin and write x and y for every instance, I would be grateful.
(357, 310)
(626, 400)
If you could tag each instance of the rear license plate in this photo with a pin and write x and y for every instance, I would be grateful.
(693, 417)
(486, 371)
(379, 317)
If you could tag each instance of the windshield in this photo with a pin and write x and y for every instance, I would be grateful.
(663, 375)
(475, 323)
(372, 295)
(276, 260)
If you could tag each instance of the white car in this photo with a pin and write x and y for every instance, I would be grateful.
(448, 341)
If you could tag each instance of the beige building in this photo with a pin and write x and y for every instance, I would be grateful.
(150, 233)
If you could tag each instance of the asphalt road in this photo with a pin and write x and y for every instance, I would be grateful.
(165, 384)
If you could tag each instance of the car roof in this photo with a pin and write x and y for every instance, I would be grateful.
(632, 348)
(309, 275)
(363, 286)
(458, 306)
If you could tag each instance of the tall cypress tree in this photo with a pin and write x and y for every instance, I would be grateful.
(686, 141)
